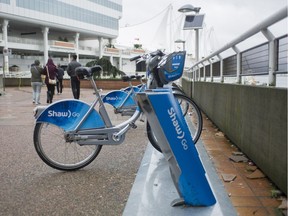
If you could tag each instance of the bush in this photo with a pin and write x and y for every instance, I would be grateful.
(108, 68)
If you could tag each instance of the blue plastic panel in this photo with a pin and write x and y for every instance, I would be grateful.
(192, 183)
(68, 113)
(116, 99)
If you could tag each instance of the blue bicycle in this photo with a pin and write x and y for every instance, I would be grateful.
(124, 101)
(69, 134)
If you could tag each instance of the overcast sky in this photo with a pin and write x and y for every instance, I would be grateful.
(224, 19)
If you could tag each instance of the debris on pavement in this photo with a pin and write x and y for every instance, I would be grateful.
(237, 153)
(238, 158)
(256, 175)
(228, 177)
(251, 168)
(219, 134)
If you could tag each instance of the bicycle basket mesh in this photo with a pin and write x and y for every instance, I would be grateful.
(172, 67)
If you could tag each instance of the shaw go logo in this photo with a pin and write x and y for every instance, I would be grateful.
(67, 114)
(111, 98)
(177, 127)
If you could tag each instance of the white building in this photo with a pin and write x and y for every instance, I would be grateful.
(37, 29)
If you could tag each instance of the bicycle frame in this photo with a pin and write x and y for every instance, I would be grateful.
(83, 124)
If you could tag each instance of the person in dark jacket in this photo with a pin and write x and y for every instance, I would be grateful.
(52, 70)
(75, 81)
(59, 75)
(36, 81)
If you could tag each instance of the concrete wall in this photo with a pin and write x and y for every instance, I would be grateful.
(254, 118)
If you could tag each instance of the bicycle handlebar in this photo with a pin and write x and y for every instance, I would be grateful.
(146, 56)
(135, 58)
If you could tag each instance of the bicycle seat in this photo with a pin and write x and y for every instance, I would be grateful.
(87, 71)
(139, 77)
(127, 78)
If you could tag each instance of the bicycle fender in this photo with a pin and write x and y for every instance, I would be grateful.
(116, 98)
(68, 113)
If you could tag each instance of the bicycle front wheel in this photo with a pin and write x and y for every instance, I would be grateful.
(192, 115)
(55, 151)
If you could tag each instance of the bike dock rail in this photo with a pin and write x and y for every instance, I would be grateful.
(153, 189)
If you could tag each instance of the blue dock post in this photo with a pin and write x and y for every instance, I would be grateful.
(171, 130)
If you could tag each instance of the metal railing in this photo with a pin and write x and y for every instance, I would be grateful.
(269, 58)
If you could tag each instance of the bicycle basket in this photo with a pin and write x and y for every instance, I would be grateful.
(171, 67)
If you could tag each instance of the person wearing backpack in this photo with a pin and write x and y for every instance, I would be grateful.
(36, 81)
(75, 81)
(59, 75)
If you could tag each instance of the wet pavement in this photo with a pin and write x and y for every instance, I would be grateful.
(30, 187)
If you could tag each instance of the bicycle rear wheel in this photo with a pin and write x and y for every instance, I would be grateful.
(55, 151)
(192, 115)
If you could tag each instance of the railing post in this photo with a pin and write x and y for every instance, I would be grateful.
(211, 70)
(191, 75)
(193, 81)
(221, 68)
(196, 73)
(238, 61)
(199, 74)
(272, 56)
(204, 71)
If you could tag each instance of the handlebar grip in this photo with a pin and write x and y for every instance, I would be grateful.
(135, 58)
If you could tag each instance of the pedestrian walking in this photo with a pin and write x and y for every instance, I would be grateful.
(50, 71)
(36, 81)
(59, 75)
(75, 81)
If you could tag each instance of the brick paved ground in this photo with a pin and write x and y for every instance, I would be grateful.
(249, 196)
(30, 187)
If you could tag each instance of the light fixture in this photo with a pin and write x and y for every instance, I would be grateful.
(181, 41)
(189, 8)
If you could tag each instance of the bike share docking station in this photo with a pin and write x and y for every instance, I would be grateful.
(171, 130)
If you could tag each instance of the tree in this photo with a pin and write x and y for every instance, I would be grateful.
(108, 68)
(138, 46)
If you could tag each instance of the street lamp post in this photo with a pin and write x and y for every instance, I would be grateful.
(193, 23)
(186, 9)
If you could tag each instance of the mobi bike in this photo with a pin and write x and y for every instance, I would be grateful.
(69, 134)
